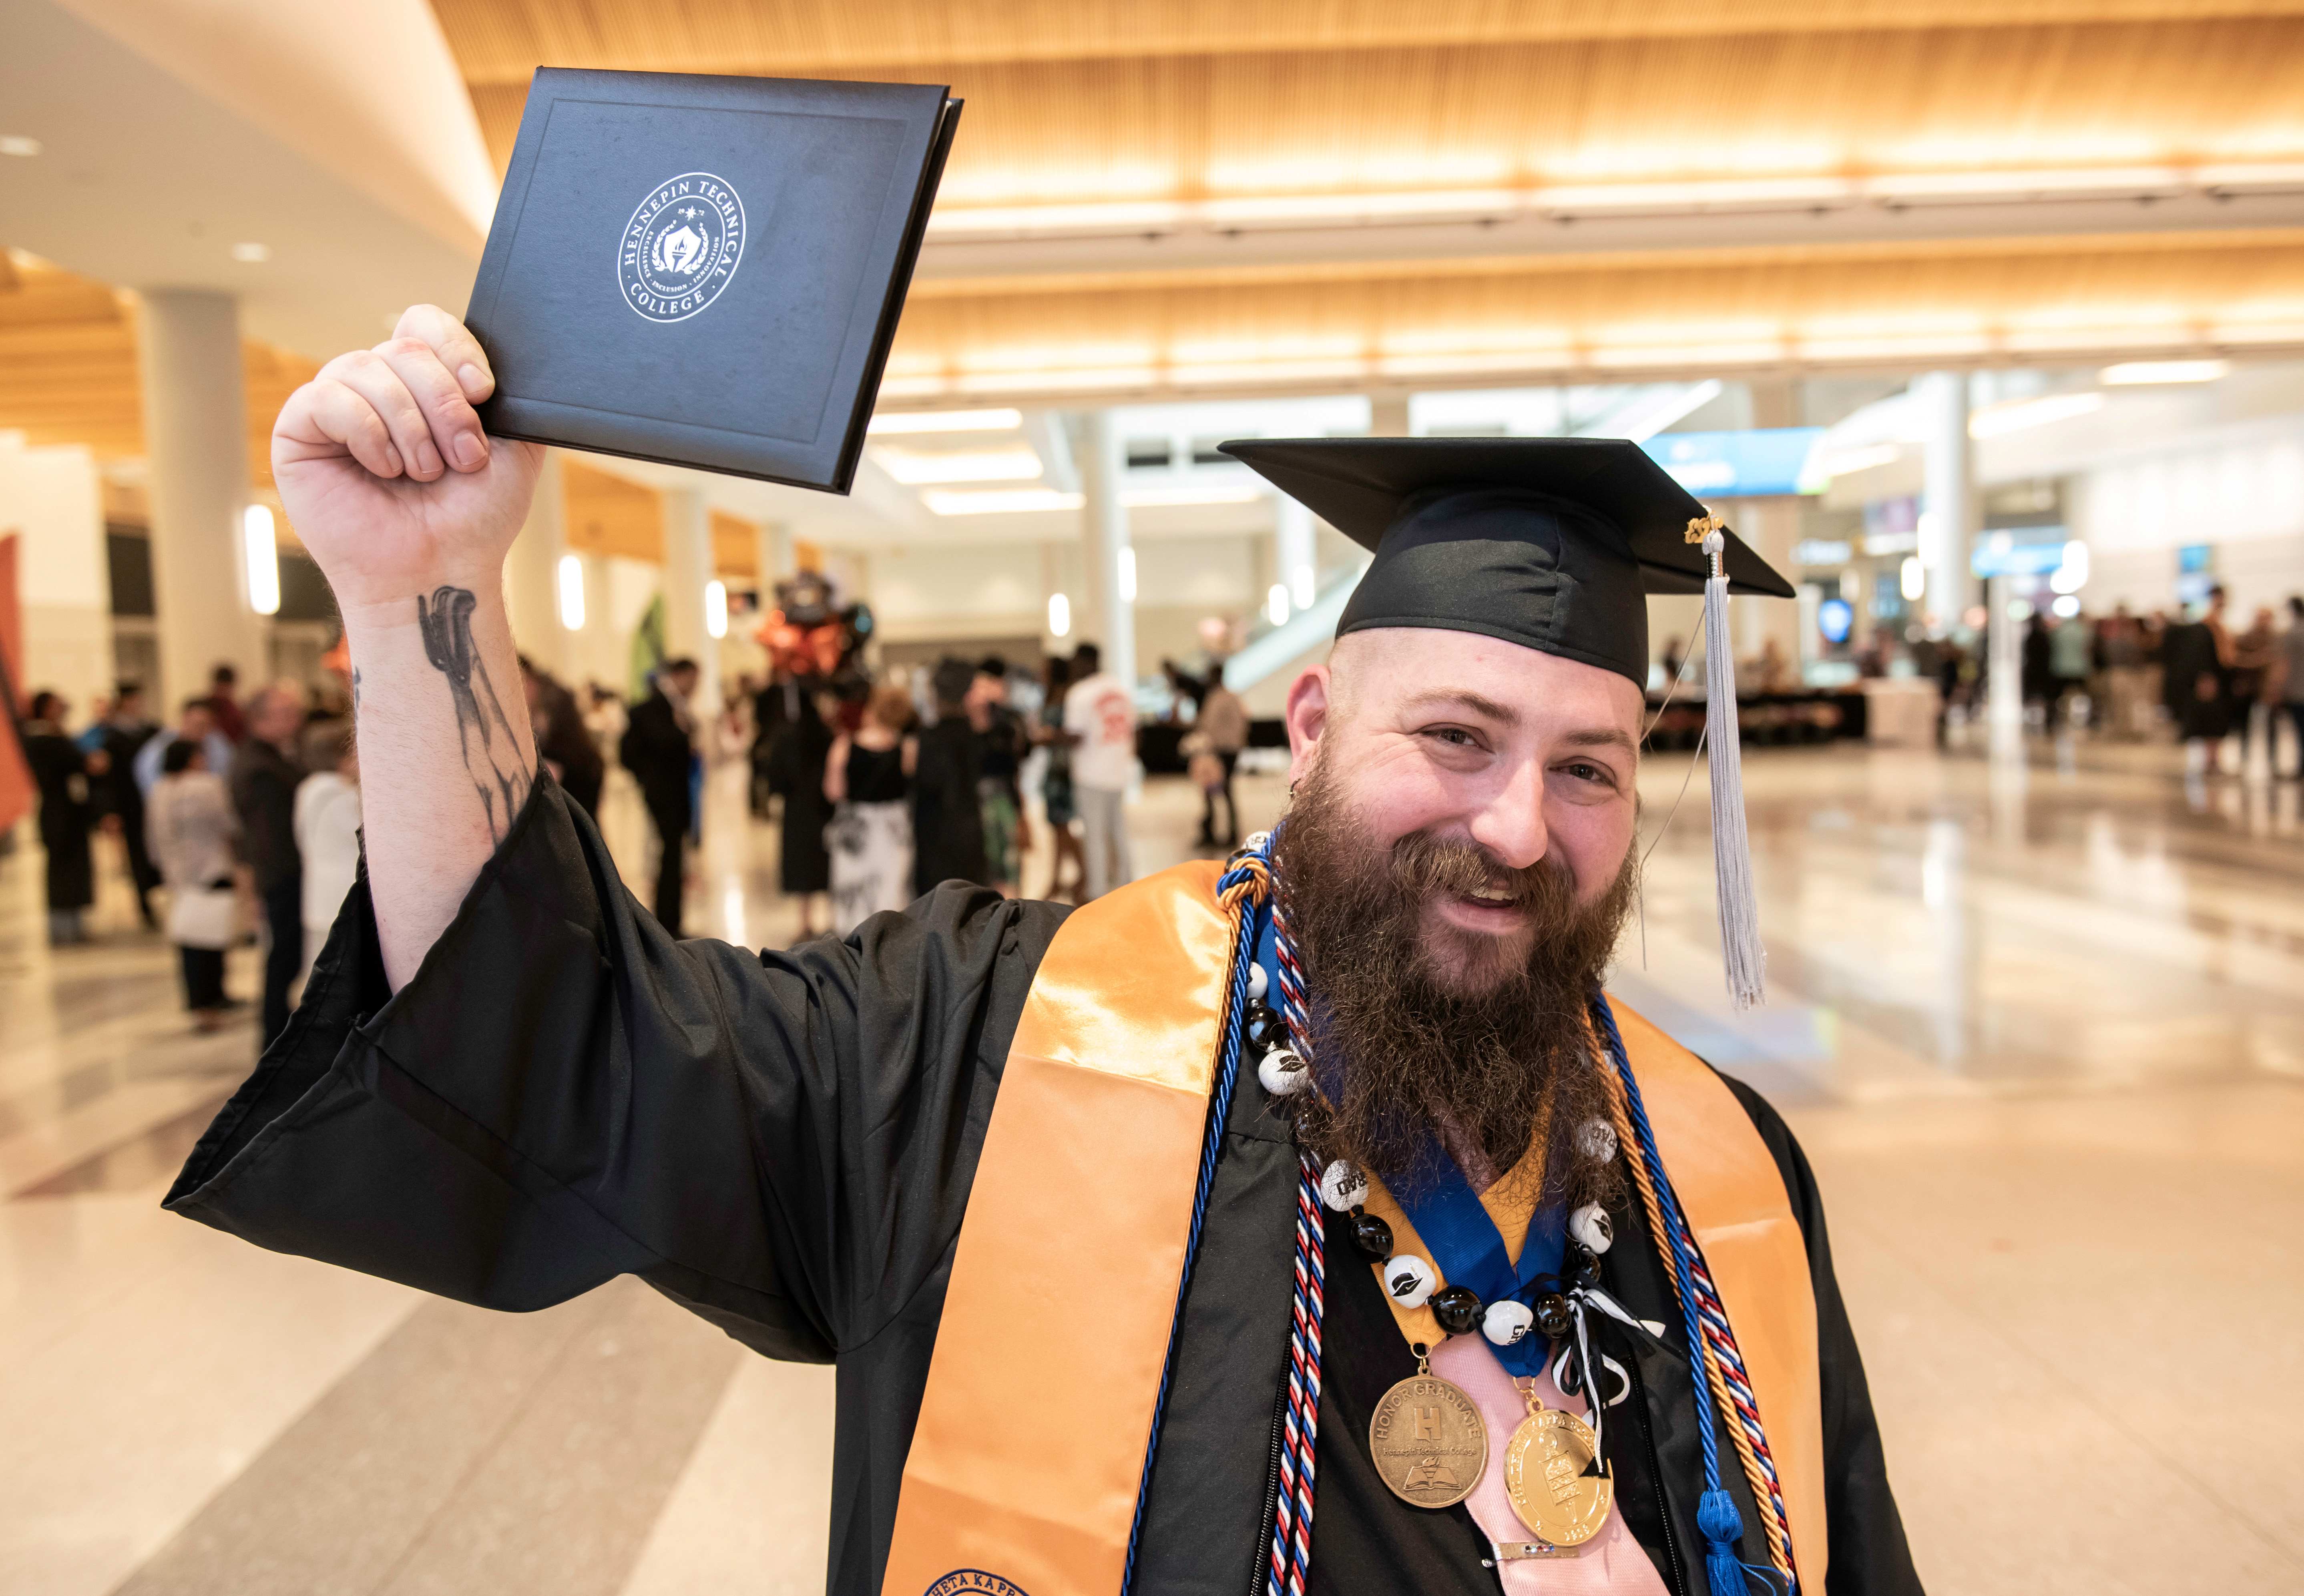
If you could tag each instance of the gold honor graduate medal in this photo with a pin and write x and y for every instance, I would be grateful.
(1544, 1476)
(1430, 1445)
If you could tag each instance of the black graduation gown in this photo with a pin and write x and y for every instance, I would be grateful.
(784, 1142)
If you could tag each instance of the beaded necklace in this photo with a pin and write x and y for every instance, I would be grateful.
(1245, 891)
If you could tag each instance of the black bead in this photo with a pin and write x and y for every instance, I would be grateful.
(1580, 1266)
(1372, 1236)
(1264, 1026)
(1459, 1310)
(1554, 1319)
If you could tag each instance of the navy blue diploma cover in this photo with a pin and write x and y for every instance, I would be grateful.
(706, 271)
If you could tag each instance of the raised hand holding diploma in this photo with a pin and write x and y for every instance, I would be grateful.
(410, 506)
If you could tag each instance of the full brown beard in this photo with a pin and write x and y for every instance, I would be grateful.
(1479, 1048)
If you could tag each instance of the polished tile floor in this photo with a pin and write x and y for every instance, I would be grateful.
(2040, 1028)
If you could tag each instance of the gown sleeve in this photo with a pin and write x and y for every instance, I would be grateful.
(1869, 1554)
(783, 1142)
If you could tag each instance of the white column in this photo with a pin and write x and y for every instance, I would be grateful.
(1108, 553)
(1948, 501)
(196, 449)
(1294, 558)
(1771, 526)
(687, 567)
(773, 547)
(532, 576)
(52, 503)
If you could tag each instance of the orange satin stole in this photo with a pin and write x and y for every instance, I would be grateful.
(1030, 1451)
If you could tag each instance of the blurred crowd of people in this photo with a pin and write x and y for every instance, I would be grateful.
(244, 816)
(882, 790)
(2124, 675)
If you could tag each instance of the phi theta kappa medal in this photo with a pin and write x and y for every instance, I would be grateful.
(1545, 1475)
(1430, 1445)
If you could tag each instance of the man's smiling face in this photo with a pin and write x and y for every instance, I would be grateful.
(1482, 768)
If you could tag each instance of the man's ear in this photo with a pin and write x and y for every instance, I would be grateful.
(1309, 702)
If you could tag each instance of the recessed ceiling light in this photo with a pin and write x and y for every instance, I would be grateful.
(2143, 373)
(904, 421)
(17, 144)
(251, 253)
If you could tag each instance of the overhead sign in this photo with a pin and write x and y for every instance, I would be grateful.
(1757, 463)
(2034, 551)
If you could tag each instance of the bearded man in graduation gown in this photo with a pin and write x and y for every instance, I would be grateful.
(1142, 1234)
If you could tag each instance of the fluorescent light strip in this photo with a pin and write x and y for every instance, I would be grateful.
(917, 421)
(1242, 492)
(914, 467)
(1233, 212)
(2019, 415)
(2135, 373)
(1017, 501)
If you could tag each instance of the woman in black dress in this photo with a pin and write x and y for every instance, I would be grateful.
(799, 743)
(61, 772)
(947, 813)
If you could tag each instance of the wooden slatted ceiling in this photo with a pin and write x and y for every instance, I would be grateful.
(501, 41)
(608, 515)
(68, 368)
(1451, 115)
(1727, 309)
(735, 546)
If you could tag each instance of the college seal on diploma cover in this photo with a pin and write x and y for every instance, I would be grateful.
(680, 248)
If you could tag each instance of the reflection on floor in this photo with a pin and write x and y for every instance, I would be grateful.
(2041, 1031)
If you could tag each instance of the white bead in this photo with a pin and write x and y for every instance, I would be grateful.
(1342, 1187)
(1282, 1072)
(1409, 1280)
(1591, 1225)
(1257, 982)
(1256, 841)
(1507, 1321)
(1599, 1140)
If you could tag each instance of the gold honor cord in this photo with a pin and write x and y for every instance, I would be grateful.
(1779, 1554)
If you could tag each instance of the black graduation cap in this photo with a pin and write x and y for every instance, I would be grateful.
(1551, 543)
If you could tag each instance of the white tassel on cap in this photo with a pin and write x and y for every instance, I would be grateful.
(1732, 850)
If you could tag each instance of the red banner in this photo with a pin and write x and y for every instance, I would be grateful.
(15, 776)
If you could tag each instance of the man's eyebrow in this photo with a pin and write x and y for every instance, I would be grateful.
(1487, 708)
(1602, 737)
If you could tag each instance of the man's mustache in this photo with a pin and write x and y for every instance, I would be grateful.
(1428, 865)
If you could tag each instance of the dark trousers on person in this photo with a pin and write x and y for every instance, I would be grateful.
(203, 978)
(1230, 836)
(283, 954)
(142, 872)
(672, 830)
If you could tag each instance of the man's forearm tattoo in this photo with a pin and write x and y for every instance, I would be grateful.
(491, 751)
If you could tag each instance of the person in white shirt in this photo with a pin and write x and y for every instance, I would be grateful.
(1100, 720)
(327, 829)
